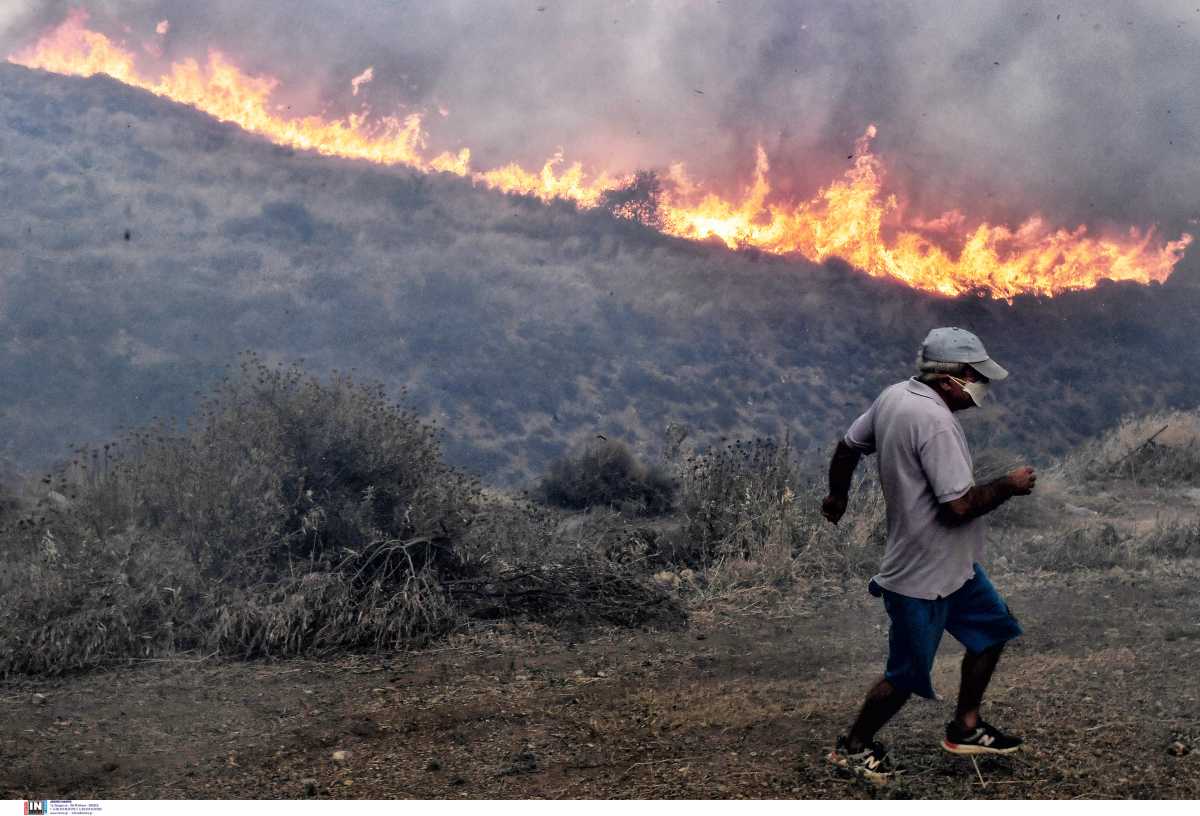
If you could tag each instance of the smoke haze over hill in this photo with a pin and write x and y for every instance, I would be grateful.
(144, 245)
(1084, 114)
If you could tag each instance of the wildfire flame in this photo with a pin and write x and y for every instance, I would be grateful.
(851, 218)
(847, 220)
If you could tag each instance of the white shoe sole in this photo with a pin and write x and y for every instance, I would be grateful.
(976, 750)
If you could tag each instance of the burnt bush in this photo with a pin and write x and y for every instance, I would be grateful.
(605, 473)
(583, 592)
(639, 200)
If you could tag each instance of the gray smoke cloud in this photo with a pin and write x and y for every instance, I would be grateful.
(1085, 113)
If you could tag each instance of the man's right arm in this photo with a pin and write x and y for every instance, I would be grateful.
(841, 474)
(983, 499)
(859, 440)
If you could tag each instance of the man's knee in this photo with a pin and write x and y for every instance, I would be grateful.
(992, 652)
(885, 689)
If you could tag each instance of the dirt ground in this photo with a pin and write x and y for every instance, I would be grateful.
(743, 703)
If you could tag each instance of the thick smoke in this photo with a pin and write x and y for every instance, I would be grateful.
(1084, 113)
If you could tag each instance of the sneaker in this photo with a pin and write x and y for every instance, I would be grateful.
(982, 739)
(871, 763)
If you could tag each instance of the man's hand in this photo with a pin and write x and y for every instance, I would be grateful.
(1022, 480)
(833, 508)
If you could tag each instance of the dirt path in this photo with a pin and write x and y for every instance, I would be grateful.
(743, 703)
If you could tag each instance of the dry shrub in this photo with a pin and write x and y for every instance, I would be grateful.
(753, 511)
(291, 516)
(281, 472)
(605, 473)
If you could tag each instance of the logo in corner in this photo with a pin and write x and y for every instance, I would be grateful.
(36, 807)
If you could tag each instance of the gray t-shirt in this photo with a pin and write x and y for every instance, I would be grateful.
(923, 462)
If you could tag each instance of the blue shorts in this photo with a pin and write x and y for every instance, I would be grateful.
(975, 614)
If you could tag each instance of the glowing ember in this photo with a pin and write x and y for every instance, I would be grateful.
(851, 218)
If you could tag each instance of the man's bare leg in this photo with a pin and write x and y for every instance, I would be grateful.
(882, 703)
(976, 674)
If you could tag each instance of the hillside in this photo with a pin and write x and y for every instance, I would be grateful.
(142, 245)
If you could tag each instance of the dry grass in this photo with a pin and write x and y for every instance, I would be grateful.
(1100, 544)
(1121, 500)
(1160, 449)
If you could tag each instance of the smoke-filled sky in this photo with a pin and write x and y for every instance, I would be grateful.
(1084, 112)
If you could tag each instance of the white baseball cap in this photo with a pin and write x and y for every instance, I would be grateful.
(951, 344)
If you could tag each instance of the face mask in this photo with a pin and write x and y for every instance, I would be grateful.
(975, 390)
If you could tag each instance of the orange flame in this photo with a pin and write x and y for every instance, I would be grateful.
(847, 218)
(851, 218)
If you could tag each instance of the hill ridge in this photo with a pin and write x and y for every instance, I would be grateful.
(146, 244)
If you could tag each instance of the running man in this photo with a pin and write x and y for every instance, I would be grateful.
(930, 580)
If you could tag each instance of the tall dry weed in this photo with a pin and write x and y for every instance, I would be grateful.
(752, 512)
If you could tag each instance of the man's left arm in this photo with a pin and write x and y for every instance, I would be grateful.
(983, 499)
